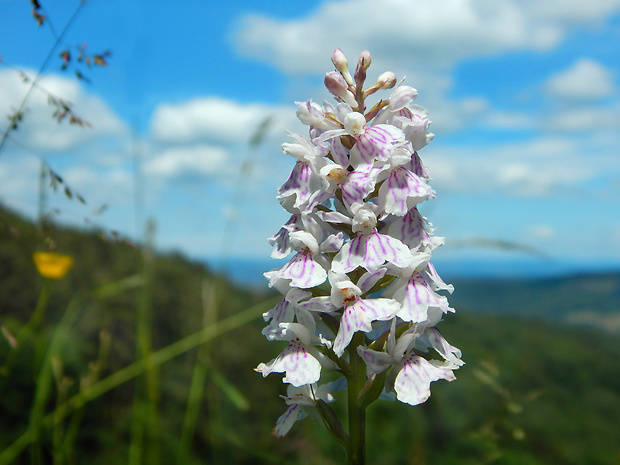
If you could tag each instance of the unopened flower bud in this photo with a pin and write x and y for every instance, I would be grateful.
(337, 85)
(364, 60)
(362, 65)
(387, 80)
(342, 65)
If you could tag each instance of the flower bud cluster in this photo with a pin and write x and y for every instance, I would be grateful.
(360, 251)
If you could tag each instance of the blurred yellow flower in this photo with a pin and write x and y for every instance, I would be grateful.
(52, 265)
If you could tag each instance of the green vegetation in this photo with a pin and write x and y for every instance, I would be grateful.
(148, 358)
(556, 298)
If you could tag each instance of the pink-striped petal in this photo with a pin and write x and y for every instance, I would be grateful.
(303, 183)
(370, 252)
(376, 143)
(413, 382)
(286, 421)
(300, 367)
(375, 361)
(303, 271)
(359, 317)
(416, 297)
(401, 191)
(413, 230)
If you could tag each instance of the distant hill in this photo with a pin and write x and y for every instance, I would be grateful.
(591, 299)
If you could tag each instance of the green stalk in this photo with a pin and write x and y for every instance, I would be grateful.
(130, 372)
(44, 380)
(199, 375)
(356, 451)
(62, 391)
(39, 311)
(194, 399)
(94, 372)
(28, 329)
(145, 423)
(137, 432)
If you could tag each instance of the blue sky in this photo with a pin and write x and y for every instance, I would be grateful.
(524, 98)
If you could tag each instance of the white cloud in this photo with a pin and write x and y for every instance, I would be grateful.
(584, 80)
(210, 119)
(566, 118)
(98, 186)
(615, 236)
(495, 119)
(406, 34)
(541, 167)
(424, 39)
(112, 187)
(20, 192)
(207, 137)
(450, 115)
(541, 231)
(189, 162)
(581, 119)
(39, 131)
(84, 177)
(533, 178)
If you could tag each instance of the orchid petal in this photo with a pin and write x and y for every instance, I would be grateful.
(371, 251)
(412, 384)
(402, 191)
(375, 361)
(359, 317)
(300, 367)
(303, 271)
(416, 297)
(286, 421)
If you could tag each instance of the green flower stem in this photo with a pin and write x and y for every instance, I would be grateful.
(130, 372)
(356, 452)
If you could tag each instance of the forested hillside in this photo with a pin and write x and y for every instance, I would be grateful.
(533, 390)
(552, 298)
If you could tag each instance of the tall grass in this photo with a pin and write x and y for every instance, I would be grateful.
(42, 420)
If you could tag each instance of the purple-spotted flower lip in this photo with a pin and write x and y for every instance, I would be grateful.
(284, 311)
(412, 373)
(402, 191)
(300, 360)
(371, 252)
(298, 364)
(304, 270)
(358, 313)
(413, 381)
(414, 231)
